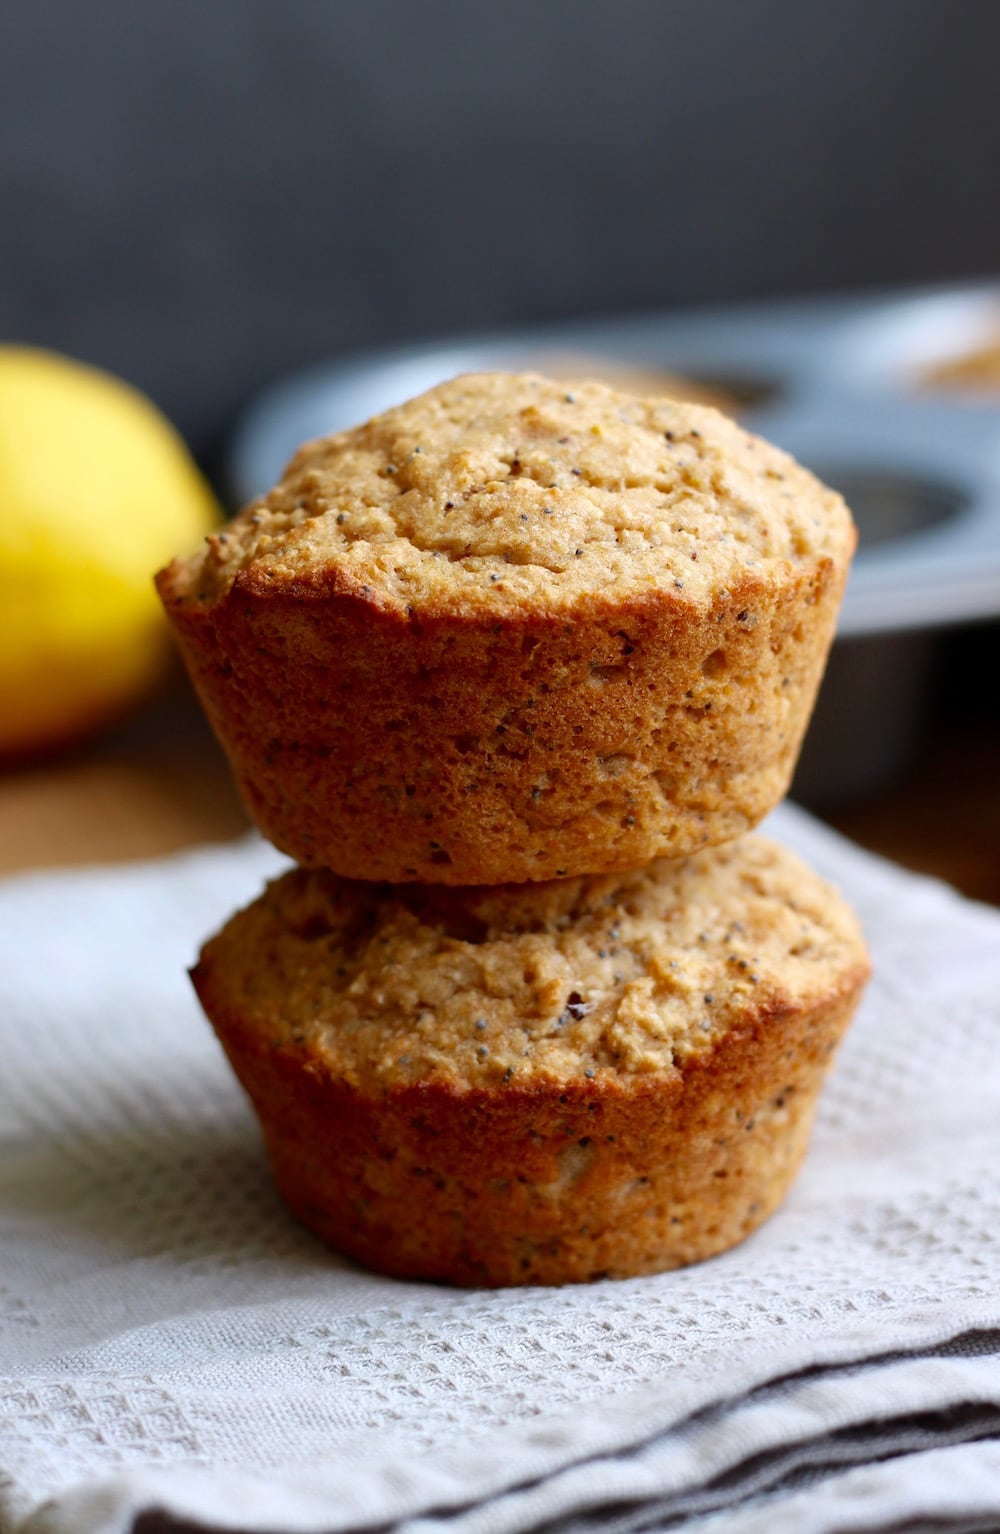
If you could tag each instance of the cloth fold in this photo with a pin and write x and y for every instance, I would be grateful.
(175, 1350)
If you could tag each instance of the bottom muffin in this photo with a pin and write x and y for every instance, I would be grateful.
(538, 1084)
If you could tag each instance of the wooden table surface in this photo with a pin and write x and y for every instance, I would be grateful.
(159, 783)
(153, 785)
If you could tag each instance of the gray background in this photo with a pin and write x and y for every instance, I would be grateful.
(201, 194)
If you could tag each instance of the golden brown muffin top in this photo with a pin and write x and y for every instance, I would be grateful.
(978, 369)
(601, 977)
(505, 492)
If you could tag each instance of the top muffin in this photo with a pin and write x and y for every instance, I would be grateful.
(516, 630)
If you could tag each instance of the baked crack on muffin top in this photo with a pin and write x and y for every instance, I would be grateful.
(590, 979)
(506, 491)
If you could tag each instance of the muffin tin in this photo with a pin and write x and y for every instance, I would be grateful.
(840, 382)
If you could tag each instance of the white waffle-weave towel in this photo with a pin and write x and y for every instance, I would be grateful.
(175, 1351)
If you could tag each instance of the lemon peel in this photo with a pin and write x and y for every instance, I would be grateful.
(96, 491)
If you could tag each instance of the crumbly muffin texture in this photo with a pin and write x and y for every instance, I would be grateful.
(597, 1078)
(516, 631)
(581, 977)
(502, 491)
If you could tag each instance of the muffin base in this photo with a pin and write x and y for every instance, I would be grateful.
(463, 749)
(551, 1182)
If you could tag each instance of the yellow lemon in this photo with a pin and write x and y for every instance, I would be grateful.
(96, 491)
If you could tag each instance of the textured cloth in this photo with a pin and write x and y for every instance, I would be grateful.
(173, 1344)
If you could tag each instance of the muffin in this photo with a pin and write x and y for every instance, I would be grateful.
(977, 370)
(594, 1077)
(515, 631)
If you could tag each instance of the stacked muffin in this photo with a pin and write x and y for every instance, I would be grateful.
(509, 671)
